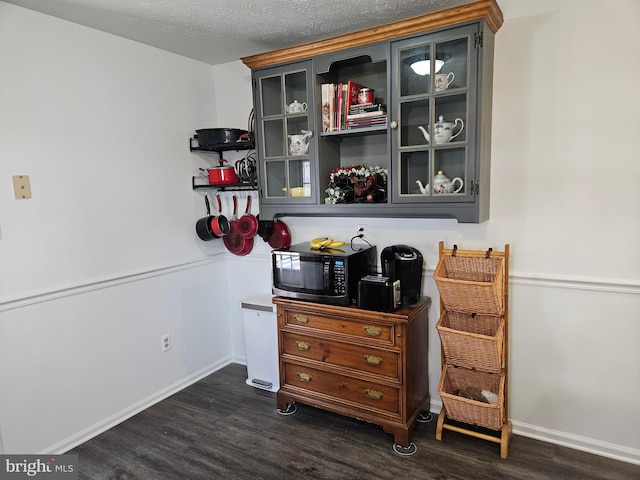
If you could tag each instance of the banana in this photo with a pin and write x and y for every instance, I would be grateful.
(330, 251)
(322, 243)
(316, 242)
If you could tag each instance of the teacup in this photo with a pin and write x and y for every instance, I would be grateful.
(443, 80)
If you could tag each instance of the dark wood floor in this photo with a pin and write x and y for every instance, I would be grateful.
(221, 428)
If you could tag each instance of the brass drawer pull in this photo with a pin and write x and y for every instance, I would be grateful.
(302, 345)
(301, 318)
(373, 394)
(304, 377)
(372, 360)
(372, 331)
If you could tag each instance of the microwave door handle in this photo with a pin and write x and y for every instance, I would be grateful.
(326, 271)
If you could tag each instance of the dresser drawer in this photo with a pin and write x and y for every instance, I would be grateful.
(374, 332)
(365, 394)
(360, 357)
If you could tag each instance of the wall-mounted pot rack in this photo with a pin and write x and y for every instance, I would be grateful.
(219, 148)
(222, 187)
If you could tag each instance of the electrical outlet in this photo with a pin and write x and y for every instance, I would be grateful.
(165, 342)
(361, 228)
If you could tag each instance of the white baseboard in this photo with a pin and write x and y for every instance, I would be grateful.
(576, 442)
(103, 425)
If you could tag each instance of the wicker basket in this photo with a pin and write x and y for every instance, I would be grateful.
(471, 284)
(472, 341)
(471, 411)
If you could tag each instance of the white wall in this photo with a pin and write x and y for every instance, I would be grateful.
(104, 259)
(564, 196)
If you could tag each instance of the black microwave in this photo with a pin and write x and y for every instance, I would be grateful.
(324, 276)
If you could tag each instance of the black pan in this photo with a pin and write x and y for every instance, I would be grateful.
(203, 225)
(265, 227)
(216, 136)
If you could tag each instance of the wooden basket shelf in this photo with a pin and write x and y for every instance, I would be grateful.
(473, 329)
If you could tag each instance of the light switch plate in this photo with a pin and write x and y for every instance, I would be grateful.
(21, 186)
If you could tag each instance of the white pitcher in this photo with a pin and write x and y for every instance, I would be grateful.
(299, 144)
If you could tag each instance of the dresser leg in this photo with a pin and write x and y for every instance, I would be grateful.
(400, 450)
(424, 417)
(286, 406)
(288, 409)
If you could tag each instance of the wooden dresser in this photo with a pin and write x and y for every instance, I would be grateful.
(364, 364)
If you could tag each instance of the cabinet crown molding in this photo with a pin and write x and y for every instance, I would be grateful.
(481, 9)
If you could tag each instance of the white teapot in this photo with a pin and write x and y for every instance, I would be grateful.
(442, 184)
(442, 131)
(299, 144)
(423, 189)
(296, 107)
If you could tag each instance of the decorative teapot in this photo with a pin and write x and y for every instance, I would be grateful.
(442, 131)
(299, 144)
(442, 184)
(423, 189)
(296, 107)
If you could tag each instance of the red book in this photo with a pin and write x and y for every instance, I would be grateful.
(339, 104)
(353, 89)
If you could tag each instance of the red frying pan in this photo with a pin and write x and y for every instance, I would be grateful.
(248, 224)
(236, 243)
(280, 236)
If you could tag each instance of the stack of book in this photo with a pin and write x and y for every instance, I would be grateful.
(340, 103)
(368, 115)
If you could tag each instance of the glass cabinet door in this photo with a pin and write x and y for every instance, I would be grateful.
(433, 108)
(285, 133)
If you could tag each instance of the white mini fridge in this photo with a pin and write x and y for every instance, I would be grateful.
(261, 341)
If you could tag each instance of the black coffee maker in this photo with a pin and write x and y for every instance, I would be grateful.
(404, 263)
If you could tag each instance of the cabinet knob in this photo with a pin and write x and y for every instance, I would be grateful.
(304, 377)
(301, 318)
(393, 125)
(373, 394)
(302, 345)
(372, 360)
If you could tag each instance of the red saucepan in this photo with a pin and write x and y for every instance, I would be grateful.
(203, 225)
(248, 224)
(280, 236)
(223, 174)
(220, 225)
(236, 243)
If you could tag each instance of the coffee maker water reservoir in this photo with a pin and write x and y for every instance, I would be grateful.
(404, 263)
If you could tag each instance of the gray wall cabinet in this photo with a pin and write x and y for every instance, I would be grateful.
(428, 128)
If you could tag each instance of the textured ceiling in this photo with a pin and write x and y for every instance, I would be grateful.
(217, 31)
